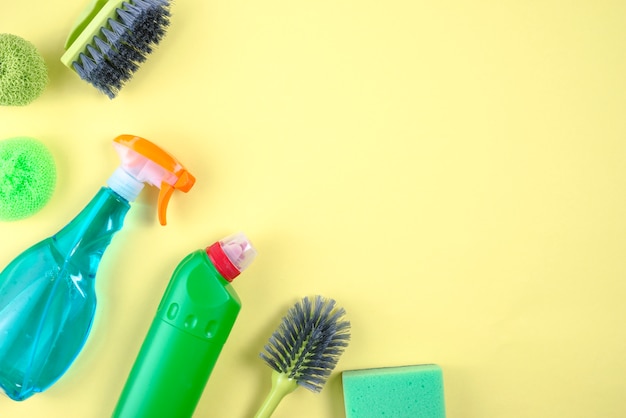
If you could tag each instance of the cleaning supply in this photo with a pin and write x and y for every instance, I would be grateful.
(27, 177)
(23, 71)
(112, 38)
(398, 392)
(304, 349)
(192, 323)
(47, 298)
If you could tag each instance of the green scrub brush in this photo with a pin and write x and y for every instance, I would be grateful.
(304, 349)
(23, 72)
(112, 38)
(27, 177)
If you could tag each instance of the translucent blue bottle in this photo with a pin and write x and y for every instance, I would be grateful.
(47, 296)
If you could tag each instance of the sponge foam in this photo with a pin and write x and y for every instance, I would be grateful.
(23, 72)
(398, 392)
(27, 177)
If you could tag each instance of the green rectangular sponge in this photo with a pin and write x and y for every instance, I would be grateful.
(394, 392)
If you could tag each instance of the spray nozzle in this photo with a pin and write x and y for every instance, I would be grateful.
(144, 162)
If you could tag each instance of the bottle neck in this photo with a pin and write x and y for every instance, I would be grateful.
(124, 184)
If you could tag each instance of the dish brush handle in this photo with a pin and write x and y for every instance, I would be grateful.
(281, 386)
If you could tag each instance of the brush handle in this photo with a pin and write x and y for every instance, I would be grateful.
(83, 20)
(281, 386)
(94, 18)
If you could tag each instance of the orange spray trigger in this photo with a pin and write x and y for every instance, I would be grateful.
(145, 162)
(184, 183)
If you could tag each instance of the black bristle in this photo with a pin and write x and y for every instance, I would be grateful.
(88, 70)
(308, 342)
(139, 26)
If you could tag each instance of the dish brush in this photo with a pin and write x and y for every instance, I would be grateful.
(304, 349)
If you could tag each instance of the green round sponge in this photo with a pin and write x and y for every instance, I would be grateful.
(23, 72)
(27, 177)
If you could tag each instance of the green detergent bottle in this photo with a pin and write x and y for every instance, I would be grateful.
(193, 321)
(47, 293)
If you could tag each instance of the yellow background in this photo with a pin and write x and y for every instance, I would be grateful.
(452, 173)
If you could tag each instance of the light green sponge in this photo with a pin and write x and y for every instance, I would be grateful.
(23, 72)
(394, 392)
(27, 177)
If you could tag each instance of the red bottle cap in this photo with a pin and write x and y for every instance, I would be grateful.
(232, 255)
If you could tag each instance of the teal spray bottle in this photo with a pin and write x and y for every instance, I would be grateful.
(47, 296)
(193, 321)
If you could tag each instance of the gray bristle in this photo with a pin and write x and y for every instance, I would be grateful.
(308, 342)
(115, 55)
